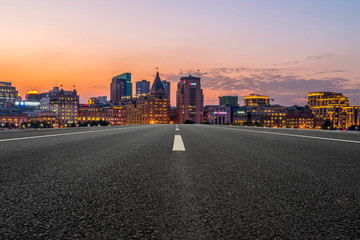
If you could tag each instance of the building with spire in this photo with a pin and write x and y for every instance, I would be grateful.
(149, 109)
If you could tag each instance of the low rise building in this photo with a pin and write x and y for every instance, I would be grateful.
(218, 114)
(333, 107)
(43, 116)
(114, 115)
(254, 100)
(12, 120)
(300, 117)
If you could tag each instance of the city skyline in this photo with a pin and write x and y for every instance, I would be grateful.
(281, 50)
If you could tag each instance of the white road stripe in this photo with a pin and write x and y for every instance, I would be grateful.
(294, 135)
(62, 134)
(178, 143)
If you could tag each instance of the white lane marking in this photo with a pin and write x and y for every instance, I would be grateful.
(178, 143)
(62, 134)
(294, 135)
(177, 129)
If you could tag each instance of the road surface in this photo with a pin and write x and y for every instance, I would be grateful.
(179, 182)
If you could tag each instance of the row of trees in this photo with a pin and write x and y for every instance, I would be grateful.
(37, 124)
(7, 125)
(93, 123)
(45, 124)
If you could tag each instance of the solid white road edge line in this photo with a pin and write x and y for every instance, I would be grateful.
(63, 134)
(178, 143)
(294, 135)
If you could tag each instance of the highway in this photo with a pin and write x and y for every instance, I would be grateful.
(179, 182)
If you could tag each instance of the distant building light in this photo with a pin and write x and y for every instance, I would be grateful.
(192, 84)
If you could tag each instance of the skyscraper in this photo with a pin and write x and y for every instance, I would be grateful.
(142, 87)
(120, 86)
(190, 99)
(166, 87)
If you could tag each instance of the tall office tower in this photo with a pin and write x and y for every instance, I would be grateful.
(166, 87)
(190, 100)
(120, 86)
(142, 87)
(256, 100)
(228, 101)
(8, 94)
(149, 109)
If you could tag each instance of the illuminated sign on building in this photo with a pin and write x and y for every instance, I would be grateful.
(220, 113)
(192, 84)
(27, 104)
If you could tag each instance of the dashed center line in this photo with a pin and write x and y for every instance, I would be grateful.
(178, 143)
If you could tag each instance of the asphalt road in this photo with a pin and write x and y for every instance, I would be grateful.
(229, 183)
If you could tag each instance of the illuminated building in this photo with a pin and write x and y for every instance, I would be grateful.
(98, 101)
(12, 120)
(113, 115)
(43, 116)
(8, 95)
(228, 101)
(120, 87)
(352, 115)
(149, 109)
(190, 100)
(267, 116)
(142, 87)
(218, 115)
(166, 87)
(33, 96)
(63, 103)
(256, 100)
(333, 107)
(173, 115)
(118, 115)
(300, 117)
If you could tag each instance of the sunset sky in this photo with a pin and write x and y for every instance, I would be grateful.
(280, 48)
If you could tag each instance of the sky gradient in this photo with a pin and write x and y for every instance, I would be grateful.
(283, 49)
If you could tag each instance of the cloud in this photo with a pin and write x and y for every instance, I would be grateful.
(332, 71)
(309, 58)
(286, 89)
(99, 87)
(319, 57)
